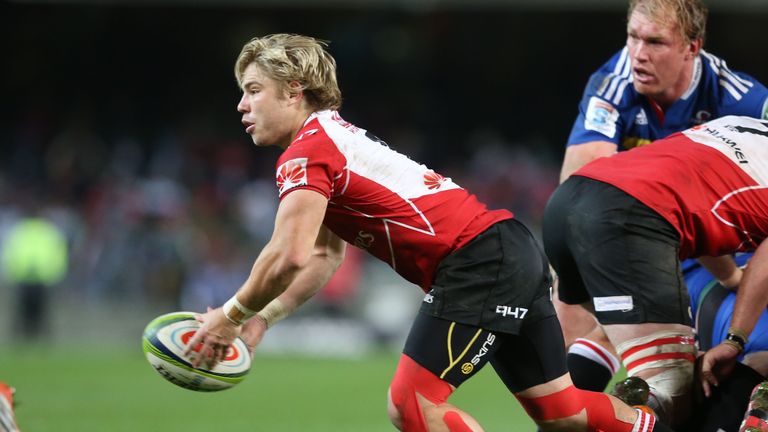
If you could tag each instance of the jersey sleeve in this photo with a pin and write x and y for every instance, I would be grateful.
(601, 104)
(751, 103)
(312, 163)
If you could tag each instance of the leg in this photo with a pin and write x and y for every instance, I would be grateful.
(417, 401)
(532, 367)
(592, 360)
(663, 355)
(439, 356)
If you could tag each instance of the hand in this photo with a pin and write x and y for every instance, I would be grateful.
(212, 339)
(716, 364)
(253, 331)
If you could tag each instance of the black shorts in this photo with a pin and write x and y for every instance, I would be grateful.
(496, 281)
(608, 247)
(455, 352)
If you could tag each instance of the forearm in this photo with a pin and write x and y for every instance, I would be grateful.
(307, 282)
(724, 269)
(576, 156)
(752, 298)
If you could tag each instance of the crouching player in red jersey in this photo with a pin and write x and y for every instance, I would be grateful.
(486, 280)
(614, 232)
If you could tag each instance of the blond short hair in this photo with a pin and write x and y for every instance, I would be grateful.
(290, 58)
(689, 15)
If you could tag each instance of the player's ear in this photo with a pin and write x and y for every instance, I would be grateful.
(694, 47)
(295, 91)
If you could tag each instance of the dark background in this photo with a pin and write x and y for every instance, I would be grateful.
(120, 120)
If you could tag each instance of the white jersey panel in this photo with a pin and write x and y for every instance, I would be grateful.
(375, 161)
(743, 140)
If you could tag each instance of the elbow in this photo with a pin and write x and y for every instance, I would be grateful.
(336, 258)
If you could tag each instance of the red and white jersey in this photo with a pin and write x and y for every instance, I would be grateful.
(710, 182)
(380, 200)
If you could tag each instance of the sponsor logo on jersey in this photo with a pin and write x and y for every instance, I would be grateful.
(364, 239)
(511, 311)
(738, 153)
(291, 174)
(601, 117)
(701, 116)
(433, 180)
(641, 119)
(469, 366)
(613, 303)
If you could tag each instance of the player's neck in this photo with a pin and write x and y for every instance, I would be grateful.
(665, 99)
(297, 124)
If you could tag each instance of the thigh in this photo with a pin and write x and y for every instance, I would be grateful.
(453, 351)
(571, 289)
(535, 356)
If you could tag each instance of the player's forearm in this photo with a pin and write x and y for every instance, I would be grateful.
(272, 273)
(752, 298)
(578, 155)
(724, 269)
(306, 284)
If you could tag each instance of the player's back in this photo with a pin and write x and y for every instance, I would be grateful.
(710, 182)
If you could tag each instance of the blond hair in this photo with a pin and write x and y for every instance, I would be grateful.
(689, 15)
(290, 58)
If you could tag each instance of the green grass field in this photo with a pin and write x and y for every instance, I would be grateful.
(113, 390)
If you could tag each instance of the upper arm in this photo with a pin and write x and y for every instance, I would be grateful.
(576, 156)
(330, 246)
(298, 223)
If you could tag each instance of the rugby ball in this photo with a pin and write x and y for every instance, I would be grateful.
(164, 341)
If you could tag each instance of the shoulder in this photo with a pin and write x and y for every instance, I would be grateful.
(734, 87)
(612, 81)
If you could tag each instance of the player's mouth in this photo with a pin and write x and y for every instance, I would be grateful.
(248, 126)
(642, 76)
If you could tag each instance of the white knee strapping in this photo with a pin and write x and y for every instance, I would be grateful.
(673, 351)
(596, 353)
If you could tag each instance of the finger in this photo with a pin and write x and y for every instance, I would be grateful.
(196, 339)
(711, 381)
(705, 387)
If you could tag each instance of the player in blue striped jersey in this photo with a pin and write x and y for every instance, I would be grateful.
(661, 82)
(615, 111)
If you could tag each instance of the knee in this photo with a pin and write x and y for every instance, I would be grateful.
(412, 389)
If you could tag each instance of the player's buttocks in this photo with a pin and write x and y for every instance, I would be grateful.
(496, 281)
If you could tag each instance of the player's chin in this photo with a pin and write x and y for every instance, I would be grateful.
(646, 89)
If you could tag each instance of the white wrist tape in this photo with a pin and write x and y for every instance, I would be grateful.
(235, 312)
(273, 312)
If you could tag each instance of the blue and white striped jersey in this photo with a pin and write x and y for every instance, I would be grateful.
(611, 110)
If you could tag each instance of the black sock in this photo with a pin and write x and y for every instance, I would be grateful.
(588, 374)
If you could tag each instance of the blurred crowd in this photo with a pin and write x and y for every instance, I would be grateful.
(177, 219)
